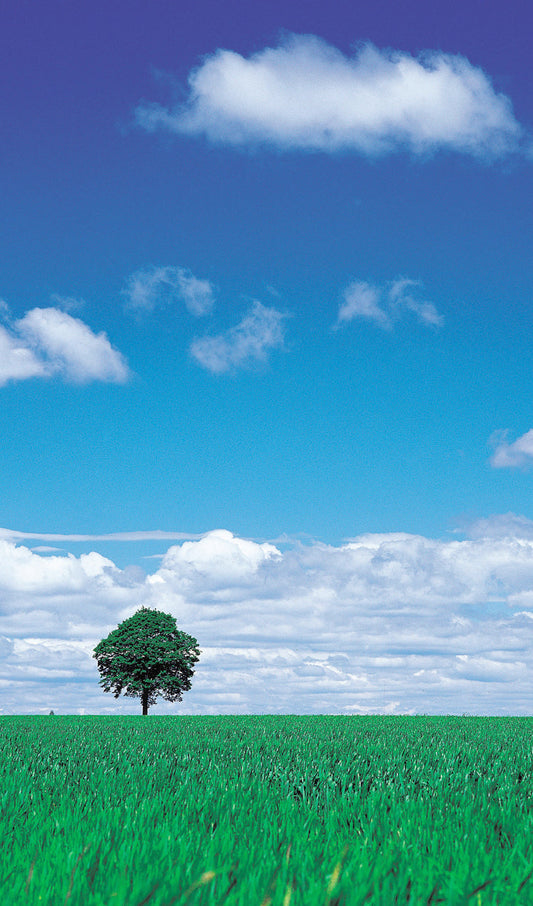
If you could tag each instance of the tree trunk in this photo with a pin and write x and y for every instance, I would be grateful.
(144, 699)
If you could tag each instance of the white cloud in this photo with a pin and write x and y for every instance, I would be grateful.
(17, 361)
(149, 288)
(361, 300)
(502, 525)
(402, 299)
(67, 346)
(305, 94)
(386, 305)
(518, 454)
(47, 341)
(218, 558)
(260, 331)
(23, 571)
(384, 623)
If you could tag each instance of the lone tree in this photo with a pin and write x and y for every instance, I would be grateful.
(147, 656)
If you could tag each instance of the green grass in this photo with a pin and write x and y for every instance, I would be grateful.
(266, 811)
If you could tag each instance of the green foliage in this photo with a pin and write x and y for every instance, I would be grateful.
(266, 811)
(147, 656)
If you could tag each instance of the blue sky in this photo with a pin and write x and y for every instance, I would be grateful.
(266, 269)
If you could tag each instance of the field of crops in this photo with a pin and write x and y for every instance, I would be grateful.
(266, 811)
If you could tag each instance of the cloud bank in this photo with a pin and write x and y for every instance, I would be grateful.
(382, 623)
(149, 288)
(515, 455)
(386, 305)
(305, 94)
(250, 341)
(48, 342)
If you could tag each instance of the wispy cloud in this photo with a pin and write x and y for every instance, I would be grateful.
(381, 623)
(502, 525)
(515, 455)
(150, 535)
(386, 304)
(259, 332)
(67, 303)
(47, 342)
(149, 288)
(306, 94)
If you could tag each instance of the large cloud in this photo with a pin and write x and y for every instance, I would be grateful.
(48, 341)
(305, 94)
(381, 623)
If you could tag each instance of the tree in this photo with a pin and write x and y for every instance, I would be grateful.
(147, 656)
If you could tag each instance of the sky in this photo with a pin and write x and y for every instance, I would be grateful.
(265, 327)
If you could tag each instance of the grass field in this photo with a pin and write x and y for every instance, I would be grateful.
(253, 811)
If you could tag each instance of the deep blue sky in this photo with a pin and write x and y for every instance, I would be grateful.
(338, 432)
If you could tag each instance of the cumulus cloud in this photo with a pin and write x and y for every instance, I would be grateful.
(219, 558)
(518, 454)
(382, 623)
(306, 94)
(47, 341)
(386, 304)
(259, 332)
(69, 347)
(147, 289)
(17, 361)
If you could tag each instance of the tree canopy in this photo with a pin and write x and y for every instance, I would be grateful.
(147, 656)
